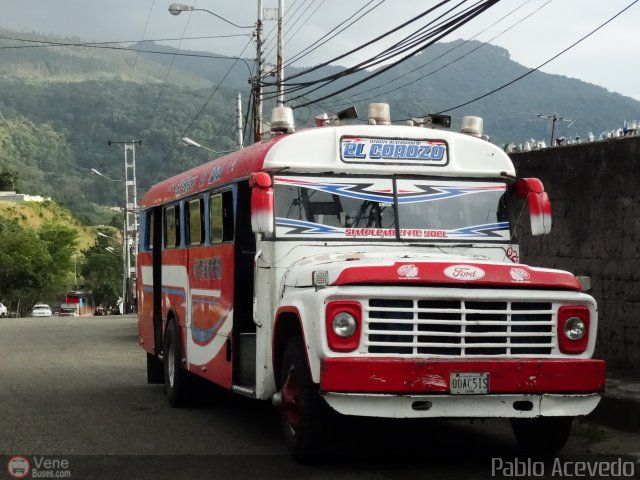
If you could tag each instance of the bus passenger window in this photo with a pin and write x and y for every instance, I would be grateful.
(149, 231)
(221, 217)
(215, 218)
(196, 224)
(172, 226)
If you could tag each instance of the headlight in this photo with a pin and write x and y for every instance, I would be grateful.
(344, 324)
(574, 328)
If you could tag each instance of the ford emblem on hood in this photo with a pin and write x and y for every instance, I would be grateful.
(464, 272)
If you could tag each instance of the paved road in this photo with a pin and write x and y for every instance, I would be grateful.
(75, 388)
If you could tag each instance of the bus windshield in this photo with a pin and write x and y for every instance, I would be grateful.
(390, 209)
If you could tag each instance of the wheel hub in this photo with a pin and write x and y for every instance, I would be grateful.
(291, 399)
(171, 367)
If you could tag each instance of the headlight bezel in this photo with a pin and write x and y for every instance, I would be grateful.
(336, 342)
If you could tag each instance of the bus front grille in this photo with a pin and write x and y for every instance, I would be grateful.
(459, 327)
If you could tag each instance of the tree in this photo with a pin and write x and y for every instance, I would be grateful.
(102, 271)
(61, 242)
(8, 180)
(26, 266)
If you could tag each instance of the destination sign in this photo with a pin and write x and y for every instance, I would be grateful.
(387, 150)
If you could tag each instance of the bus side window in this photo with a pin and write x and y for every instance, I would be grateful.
(172, 226)
(196, 222)
(148, 242)
(215, 218)
(221, 217)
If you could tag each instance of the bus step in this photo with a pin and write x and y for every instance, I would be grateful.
(246, 391)
(246, 373)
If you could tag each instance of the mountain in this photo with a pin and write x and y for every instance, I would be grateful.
(60, 105)
(449, 74)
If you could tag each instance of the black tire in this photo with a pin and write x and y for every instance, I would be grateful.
(176, 381)
(545, 435)
(305, 415)
(155, 370)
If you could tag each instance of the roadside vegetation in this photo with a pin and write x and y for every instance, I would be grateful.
(45, 252)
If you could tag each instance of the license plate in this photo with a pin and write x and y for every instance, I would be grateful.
(468, 383)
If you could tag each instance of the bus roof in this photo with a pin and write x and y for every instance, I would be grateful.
(349, 149)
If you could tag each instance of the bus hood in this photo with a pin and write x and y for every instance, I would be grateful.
(365, 268)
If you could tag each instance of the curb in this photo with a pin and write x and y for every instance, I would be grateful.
(620, 406)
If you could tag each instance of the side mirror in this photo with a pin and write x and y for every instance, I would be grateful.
(532, 190)
(262, 215)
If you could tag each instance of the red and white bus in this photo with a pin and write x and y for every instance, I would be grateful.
(368, 270)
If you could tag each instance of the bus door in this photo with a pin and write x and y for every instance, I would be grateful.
(244, 330)
(155, 241)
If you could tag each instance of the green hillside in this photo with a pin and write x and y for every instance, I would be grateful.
(72, 64)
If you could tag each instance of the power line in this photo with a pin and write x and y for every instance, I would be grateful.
(173, 60)
(290, 36)
(408, 46)
(288, 14)
(410, 49)
(319, 42)
(105, 46)
(144, 32)
(457, 46)
(214, 92)
(370, 42)
(544, 63)
(303, 23)
(43, 43)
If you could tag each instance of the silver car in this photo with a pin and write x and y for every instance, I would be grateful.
(41, 310)
(3, 310)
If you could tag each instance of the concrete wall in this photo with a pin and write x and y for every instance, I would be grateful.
(595, 193)
(21, 197)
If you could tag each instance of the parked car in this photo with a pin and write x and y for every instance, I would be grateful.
(68, 310)
(3, 310)
(41, 310)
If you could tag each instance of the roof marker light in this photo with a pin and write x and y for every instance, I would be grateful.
(282, 120)
(472, 126)
(379, 114)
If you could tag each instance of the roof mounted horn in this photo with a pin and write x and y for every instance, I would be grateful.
(433, 120)
(325, 120)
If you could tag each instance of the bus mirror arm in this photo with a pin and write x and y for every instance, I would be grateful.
(255, 281)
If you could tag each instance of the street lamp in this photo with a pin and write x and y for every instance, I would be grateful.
(193, 143)
(95, 171)
(178, 8)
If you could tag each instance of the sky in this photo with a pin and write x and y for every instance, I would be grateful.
(609, 58)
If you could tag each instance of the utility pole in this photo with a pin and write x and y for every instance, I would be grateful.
(239, 114)
(279, 55)
(130, 227)
(257, 86)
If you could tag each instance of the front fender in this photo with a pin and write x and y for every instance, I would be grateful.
(309, 308)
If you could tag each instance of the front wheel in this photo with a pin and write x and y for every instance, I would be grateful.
(304, 413)
(175, 377)
(546, 435)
